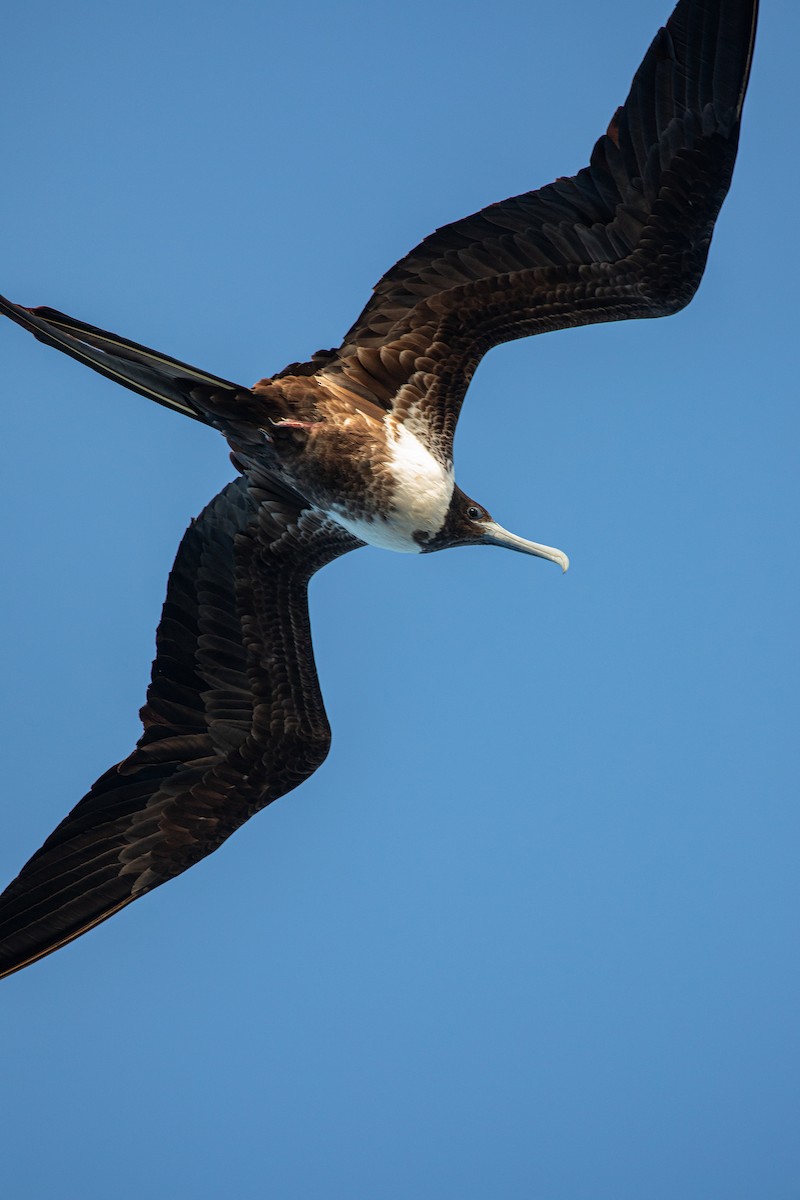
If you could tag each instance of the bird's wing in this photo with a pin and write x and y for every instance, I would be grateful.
(626, 237)
(234, 718)
(166, 380)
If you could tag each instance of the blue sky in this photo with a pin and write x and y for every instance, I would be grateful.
(532, 929)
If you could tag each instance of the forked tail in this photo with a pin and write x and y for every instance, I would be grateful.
(157, 376)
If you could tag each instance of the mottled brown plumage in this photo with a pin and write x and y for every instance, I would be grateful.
(356, 445)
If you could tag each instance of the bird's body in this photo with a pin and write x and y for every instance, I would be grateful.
(356, 446)
(419, 491)
(355, 462)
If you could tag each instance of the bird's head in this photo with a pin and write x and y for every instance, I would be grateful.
(469, 524)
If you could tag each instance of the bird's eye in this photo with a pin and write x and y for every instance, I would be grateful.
(474, 513)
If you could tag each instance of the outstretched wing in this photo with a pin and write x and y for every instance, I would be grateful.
(234, 718)
(627, 236)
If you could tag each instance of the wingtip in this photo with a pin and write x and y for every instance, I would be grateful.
(28, 960)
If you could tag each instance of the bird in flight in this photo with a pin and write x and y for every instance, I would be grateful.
(355, 447)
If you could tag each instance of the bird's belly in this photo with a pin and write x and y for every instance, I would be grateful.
(420, 495)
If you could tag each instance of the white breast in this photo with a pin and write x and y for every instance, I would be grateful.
(421, 496)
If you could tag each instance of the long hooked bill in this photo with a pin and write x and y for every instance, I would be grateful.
(495, 535)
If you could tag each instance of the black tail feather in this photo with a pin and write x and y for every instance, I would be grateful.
(157, 376)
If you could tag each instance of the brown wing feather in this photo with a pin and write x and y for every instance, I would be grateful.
(627, 236)
(234, 718)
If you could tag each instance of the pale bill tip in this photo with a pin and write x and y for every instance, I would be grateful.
(556, 556)
(497, 536)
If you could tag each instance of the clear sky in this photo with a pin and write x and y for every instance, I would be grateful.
(532, 929)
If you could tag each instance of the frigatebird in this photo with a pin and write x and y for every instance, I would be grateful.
(355, 447)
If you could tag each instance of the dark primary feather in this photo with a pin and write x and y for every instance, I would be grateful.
(234, 719)
(234, 716)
